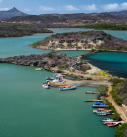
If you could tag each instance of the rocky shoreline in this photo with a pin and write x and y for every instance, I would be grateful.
(57, 62)
(49, 61)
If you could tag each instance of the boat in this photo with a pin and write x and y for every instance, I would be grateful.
(93, 100)
(38, 69)
(49, 78)
(101, 114)
(45, 86)
(67, 87)
(59, 75)
(98, 104)
(101, 110)
(110, 124)
(108, 120)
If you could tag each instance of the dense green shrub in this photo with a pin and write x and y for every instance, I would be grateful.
(89, 78)
(49, 55)
(117, 99)
(58, 71)
(120, 130)
(111, 107)
(65, 34)
(102, 91)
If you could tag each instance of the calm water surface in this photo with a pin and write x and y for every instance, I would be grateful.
(29, 110)
(114, 62)
(74, 53)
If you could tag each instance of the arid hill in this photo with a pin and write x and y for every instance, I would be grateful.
(82, 40)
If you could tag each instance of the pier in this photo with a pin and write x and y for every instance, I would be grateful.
(90, 92)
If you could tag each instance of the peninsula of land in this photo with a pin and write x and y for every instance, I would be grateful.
(85, 40)
(19, 30)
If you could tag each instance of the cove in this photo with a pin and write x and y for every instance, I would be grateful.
(27, 109)
(113, 62)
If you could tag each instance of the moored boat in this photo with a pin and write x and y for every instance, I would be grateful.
(101, 114)
(108, 120)
(110, 124)
(59, 75)
(45, 86)
(101, 110)
(67, 87)
(49, 78)
(98, 104)
(38, 69)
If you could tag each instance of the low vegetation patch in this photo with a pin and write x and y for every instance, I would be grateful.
(102, 73)
(119, 90)
(115, 116)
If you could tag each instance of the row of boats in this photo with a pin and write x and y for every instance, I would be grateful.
(61, 88)
(101, 111)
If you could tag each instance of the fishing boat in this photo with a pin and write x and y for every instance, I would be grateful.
(45, 86)
(110, 124)
(101, 114)
(49, 78)
(108, 120)
(98, 104)
(67, 87)
(38, 69)
(59, 75)
(102, 110)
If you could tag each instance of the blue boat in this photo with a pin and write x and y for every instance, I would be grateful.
(98, 104)
(67, 87)
(45, 86)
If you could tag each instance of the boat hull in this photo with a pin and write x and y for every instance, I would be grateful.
(99, 106)
(47, 87)
(64, 88)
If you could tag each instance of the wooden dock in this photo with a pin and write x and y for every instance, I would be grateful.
(93, 100)
(90, 92)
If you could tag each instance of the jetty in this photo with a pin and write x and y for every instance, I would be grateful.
(93, 100)
(90, 92)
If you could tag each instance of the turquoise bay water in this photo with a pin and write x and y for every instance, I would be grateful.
(17, 46)
(74, 53)
(29, 110)
(113, 62)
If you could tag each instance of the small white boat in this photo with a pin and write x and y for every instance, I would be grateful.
(67, 87)
(49, 78)
(108, 120)
(45, 86)
(38, 69)
(59, 75)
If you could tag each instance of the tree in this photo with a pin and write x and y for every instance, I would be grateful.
(102, 91)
